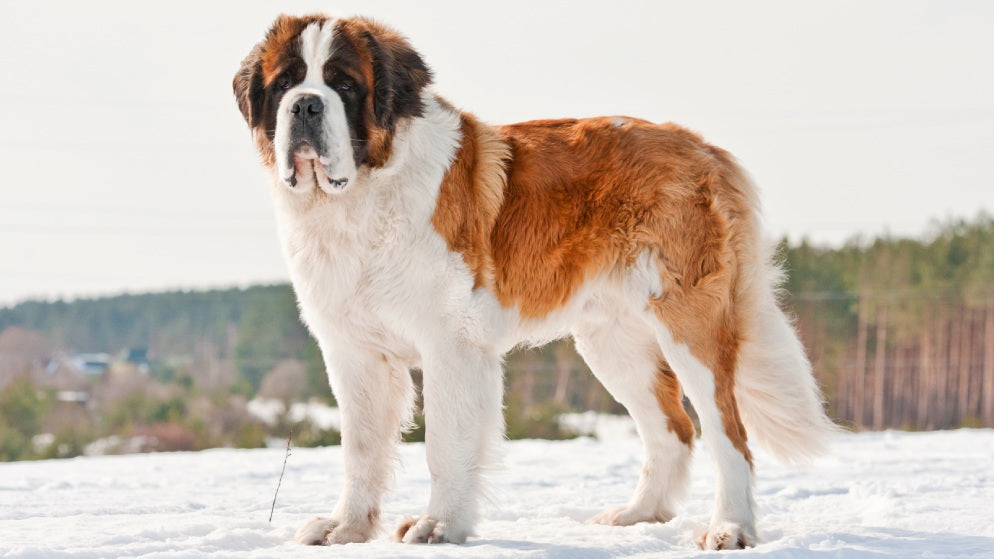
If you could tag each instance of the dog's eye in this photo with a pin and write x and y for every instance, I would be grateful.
(345, 86)
(284, 83)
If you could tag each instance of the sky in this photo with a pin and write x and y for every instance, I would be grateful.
(125, 165)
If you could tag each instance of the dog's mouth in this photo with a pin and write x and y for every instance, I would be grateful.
(310, 168)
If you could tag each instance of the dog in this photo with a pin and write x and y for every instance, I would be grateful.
(417, 236)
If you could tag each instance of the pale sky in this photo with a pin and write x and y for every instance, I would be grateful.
(125, 165)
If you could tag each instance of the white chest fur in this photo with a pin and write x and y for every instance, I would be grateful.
(366, 264)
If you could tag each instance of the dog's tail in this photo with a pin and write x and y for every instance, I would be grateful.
(777, 395)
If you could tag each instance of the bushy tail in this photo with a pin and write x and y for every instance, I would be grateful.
(778, 397)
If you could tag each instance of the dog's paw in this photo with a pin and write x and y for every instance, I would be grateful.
(628, 515)
(316, 531)
(428, 530)
(328, 531)
(727, 535)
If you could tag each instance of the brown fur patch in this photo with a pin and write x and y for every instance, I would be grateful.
(393, 75)
(587, 196)
(670, 398)
(355, 32)
(282, 40)
(470, 197)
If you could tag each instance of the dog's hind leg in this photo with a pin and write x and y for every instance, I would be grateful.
(624, 356)
(700, 338)
(463, 427)
(375, 399)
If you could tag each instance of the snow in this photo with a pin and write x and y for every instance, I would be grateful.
(269, 410)
(604, 427)
(888, 494)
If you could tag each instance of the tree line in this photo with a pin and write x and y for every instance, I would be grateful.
(901, 331)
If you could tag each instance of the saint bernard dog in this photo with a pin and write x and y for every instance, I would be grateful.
(418, 236)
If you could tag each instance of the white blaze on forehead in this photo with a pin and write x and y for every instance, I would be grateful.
(315, 48)
(300, 165)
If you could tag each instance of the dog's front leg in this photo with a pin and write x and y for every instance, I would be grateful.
(374, 400)
(464, 426)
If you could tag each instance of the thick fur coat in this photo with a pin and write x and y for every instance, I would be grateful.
(419, 237)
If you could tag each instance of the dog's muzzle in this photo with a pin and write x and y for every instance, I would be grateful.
(310, 160)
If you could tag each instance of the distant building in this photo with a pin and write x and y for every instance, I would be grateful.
(137, 356)
(93, 364)
(62, 373)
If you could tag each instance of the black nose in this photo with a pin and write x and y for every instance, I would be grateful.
(308, 107)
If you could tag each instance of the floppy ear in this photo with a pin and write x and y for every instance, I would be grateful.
(399, 75)
(248, 87)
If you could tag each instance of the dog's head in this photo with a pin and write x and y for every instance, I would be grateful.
(323, 97)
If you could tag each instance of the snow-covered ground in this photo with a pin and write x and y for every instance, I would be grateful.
(877, 495)
(269, 410)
